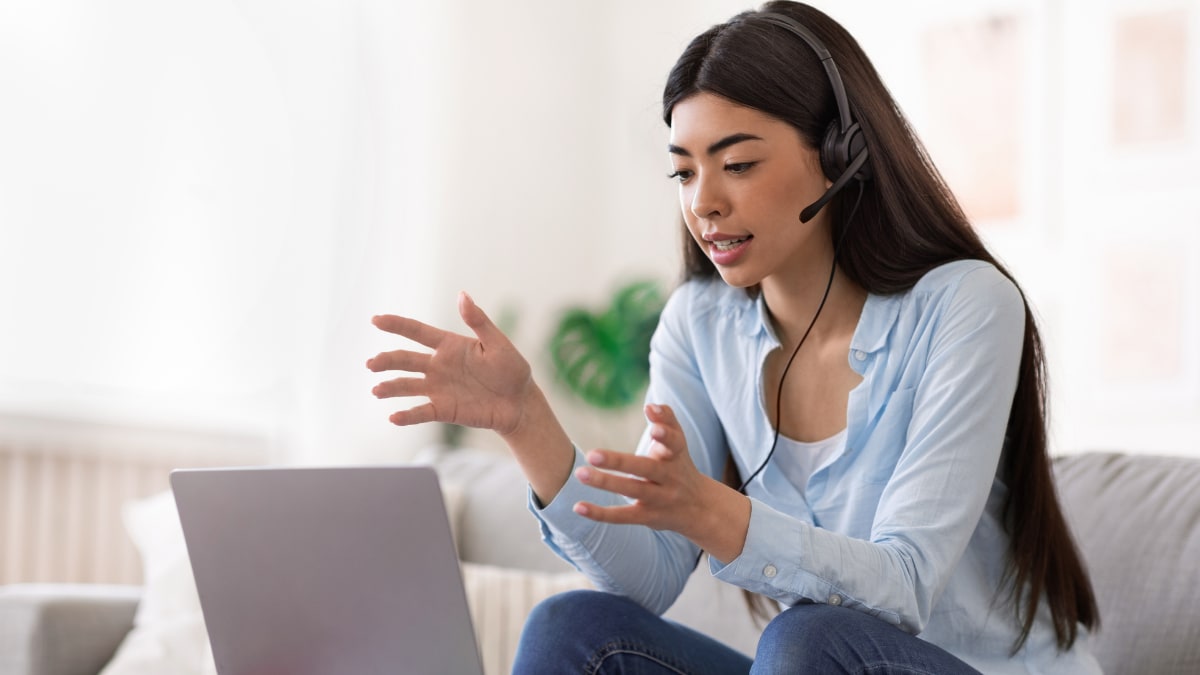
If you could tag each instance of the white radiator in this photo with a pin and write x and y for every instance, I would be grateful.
(63, 483)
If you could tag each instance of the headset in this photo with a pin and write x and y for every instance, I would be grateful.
(844, 158)
(843, 151)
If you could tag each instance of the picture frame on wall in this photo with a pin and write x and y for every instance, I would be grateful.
(976, 92)
(1150, 75)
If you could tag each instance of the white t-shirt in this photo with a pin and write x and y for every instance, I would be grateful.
(799, 460)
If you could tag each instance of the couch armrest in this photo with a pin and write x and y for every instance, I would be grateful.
(63, 629)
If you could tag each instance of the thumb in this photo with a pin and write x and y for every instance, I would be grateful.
(475, 318)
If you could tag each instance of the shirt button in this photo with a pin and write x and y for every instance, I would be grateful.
(835, 599)
(770, 571)
(860, 355)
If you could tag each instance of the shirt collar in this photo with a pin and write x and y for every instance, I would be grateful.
(878, 315)
(753, 319)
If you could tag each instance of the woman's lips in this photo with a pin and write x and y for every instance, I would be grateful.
(726, 251)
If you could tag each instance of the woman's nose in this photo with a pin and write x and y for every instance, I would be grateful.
(708, 200)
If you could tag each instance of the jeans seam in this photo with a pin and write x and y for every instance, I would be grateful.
(614, 648)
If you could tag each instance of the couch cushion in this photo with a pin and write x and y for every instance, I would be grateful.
(63, 628)
(494, 525)
(1137, 521)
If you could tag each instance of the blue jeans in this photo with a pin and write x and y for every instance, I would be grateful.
(593, 632)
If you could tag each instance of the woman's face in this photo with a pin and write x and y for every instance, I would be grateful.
(744, 177)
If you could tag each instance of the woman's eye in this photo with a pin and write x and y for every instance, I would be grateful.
(681, 175)
(739, 167)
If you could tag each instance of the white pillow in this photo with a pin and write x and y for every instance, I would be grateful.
(169, 636)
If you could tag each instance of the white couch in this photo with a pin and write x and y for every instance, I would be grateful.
(1137, 519)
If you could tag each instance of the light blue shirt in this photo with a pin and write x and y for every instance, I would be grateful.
(904, 523)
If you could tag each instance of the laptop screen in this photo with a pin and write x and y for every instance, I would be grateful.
(326, 570)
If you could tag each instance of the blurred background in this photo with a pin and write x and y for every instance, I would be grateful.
(202, 204)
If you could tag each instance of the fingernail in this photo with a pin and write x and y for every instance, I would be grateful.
(657, 432)
(655, 408)
(584, 474)
(595, 458)
(580, 509)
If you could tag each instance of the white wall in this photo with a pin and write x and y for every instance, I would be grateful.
(203, 203)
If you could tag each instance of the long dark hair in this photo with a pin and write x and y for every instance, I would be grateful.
(908, 223)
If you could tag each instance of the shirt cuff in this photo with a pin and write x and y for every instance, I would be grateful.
(775, 542)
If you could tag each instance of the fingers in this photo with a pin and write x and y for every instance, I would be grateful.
(416, 415)
(631, 514)
(410, 328)
(401, 386)
(666, 432)
(662, 483)
(632, 487)
(413, 362)
(478, 321)
(661, 414)
(622, 462)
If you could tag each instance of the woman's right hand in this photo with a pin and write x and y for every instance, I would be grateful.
(481, 382)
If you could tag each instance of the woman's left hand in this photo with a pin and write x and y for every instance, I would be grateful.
(669, 492)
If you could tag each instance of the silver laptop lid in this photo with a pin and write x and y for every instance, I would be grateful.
(313, 571)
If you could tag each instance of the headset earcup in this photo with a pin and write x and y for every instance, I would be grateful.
(838, 151)
(832, 163)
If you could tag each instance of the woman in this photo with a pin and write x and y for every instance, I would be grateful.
(887, 481)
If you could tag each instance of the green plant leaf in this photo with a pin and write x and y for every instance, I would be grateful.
(604, 359)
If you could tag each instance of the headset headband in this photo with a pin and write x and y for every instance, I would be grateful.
(835, 79)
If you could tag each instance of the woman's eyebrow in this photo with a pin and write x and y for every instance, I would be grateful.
(720, 145)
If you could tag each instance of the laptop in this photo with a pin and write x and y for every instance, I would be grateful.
(315, 571)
